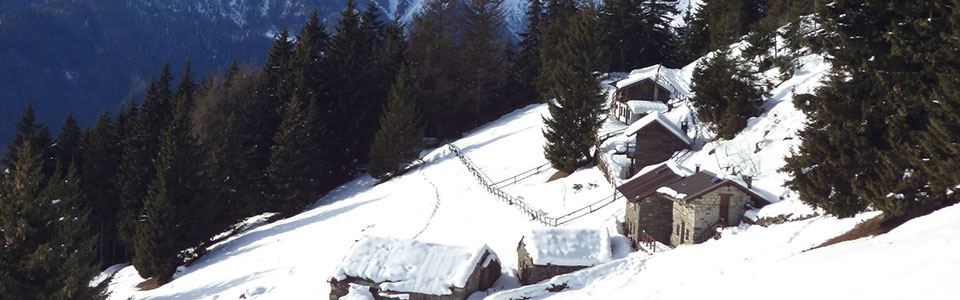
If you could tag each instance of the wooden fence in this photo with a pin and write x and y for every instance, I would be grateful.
(527, 209)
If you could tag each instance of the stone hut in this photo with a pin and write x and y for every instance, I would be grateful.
(389, 268)
(656, 140)
(545, 253)
(676, 206)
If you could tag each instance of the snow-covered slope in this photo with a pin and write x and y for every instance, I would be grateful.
(441, 202)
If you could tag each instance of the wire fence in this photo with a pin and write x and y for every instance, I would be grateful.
(524, 207)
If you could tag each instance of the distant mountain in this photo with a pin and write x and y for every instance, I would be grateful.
(82, 56)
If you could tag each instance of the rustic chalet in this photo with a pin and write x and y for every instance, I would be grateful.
(545, 253)
(675, 206)
(389, 268)
(638, 95)
(657, 139)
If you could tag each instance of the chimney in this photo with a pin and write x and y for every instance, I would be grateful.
(749, 180)
(698, 168)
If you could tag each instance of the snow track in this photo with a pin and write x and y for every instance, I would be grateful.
(436, 194)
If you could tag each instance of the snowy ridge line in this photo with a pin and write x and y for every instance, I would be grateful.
(524, 207)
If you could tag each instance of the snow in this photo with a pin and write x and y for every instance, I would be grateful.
(410, 266)
(640, 106)
(671, 192)
(358, 292)
(440, 202)
(568, 247)
(656, 116)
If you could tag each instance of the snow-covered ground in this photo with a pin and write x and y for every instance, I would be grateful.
(441, 202)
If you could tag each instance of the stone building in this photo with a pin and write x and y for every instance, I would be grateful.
(389, 268)
(674, 205)
(545, 253)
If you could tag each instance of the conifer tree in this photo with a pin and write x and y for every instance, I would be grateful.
(102, 150)
(290, 173)
(37, 134)
(73, 262)
(393, 52)
(397, 142)
(876, 131)
(528, 64)
(67, 148)
(275, 85)
(622, 26)
(484, 55)
(175, 213)
(559, 15)
(308, 60)
(141, 147)
(695, 38)
(724, 22)
(23, 220)
(660, 40)
(435, 50)
(727, 93)
(577, 99)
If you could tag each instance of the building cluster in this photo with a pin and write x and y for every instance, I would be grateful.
(666, 204)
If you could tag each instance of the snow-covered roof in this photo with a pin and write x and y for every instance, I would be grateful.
(673, 76)
(568, 247)
(640, 106)
(656, 116)
(677, 169)
(639, 75)
(410, 266)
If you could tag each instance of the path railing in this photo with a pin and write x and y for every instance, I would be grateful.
(527, 209)
(647, 242)
(520, 177)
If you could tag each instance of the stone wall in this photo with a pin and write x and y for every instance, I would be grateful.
(653, 214)
(529, 273)
(702, 213)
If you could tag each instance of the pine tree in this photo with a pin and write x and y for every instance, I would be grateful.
(659, 42)
(37, 134)
(484, 55)
(308, 60)
(727, 93)
(622, 26)
(559, 15)
(724, 22)
(889, 98)
(141, 147)
(73, 262)
(102, 150)
(435, 51)
(397, 142)
(175, 213)
(23, 220)
(275, 85)
(290, 173)
(528, 64)
(695, 40)
(577, 99)
(67, 148)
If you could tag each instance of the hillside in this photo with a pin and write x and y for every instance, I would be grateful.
(441, 202)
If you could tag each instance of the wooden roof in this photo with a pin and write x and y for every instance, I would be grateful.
(692, 186)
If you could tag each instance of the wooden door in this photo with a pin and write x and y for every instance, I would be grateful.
(725, 207)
